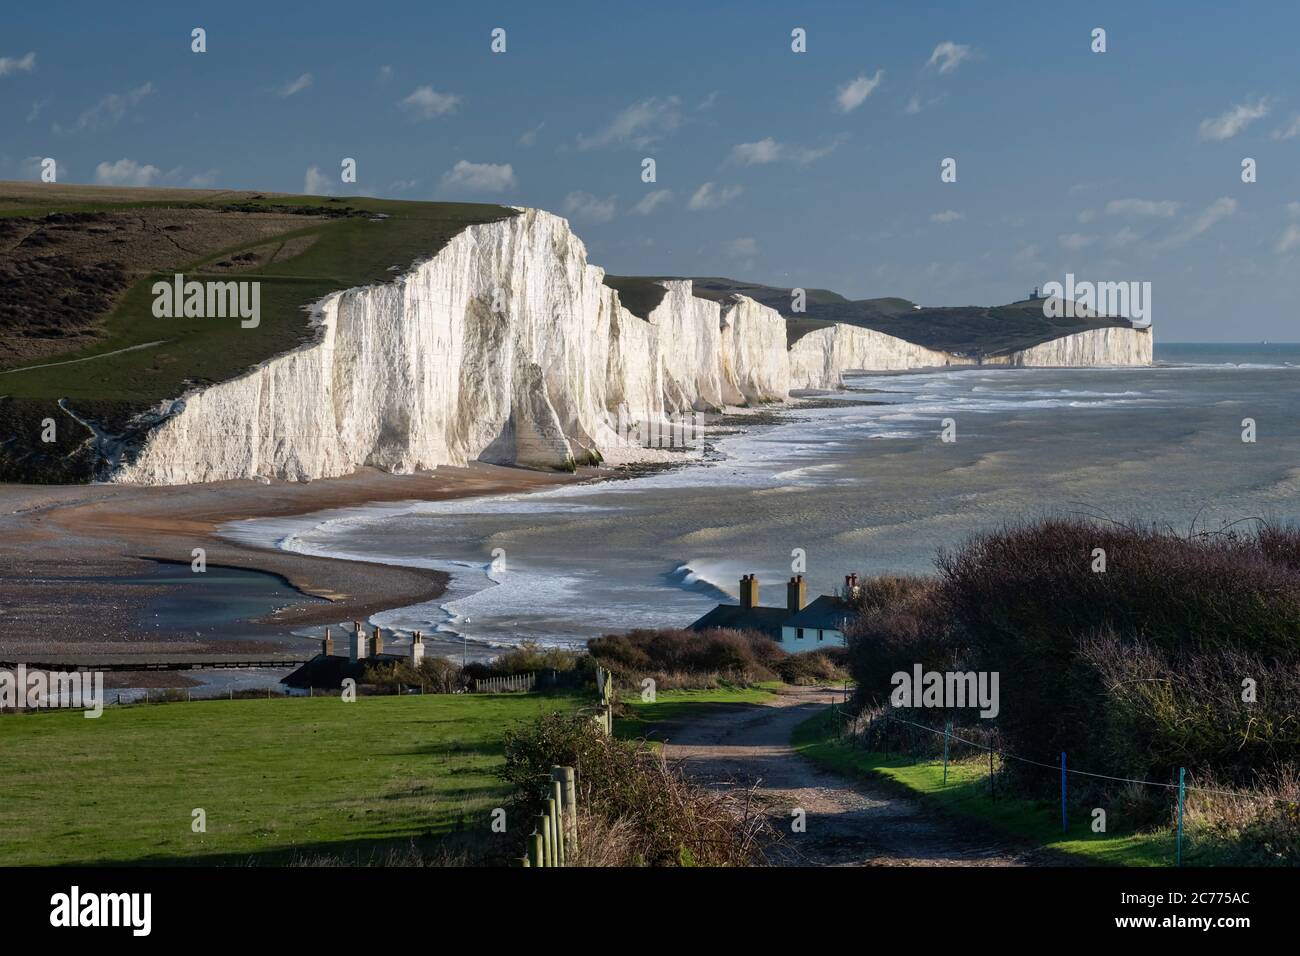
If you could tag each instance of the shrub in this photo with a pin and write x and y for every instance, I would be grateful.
(815, 667)
(903, 621)
(636, 809)
(1025, 602)
(739, 657)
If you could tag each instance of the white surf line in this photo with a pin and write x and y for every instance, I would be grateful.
(88, 358)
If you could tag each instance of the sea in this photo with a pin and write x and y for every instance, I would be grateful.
(868, 485)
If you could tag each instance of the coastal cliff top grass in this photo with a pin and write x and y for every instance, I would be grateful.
(76, 299)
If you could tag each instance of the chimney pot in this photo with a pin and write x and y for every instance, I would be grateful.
(796, 594)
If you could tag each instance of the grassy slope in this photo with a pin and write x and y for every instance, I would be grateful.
(349, 251)
(275, 777)
(678, 704)
(967, 794)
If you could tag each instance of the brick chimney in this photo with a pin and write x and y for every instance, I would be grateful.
(327, 645)
(749, 591)
(417, 649)
(796, 594)
(357, 643)
(851, 585)
(376, 643)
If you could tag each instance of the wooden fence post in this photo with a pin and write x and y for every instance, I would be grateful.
(570, 803)
(557, 820)
(947, 730)
(536, 851)
(548, 848)
(1182, 788)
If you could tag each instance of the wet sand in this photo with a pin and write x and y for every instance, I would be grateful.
(57, 542)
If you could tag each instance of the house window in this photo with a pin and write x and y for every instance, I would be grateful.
(798, 632)
(819, 633)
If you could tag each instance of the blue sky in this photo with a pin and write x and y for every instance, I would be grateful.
(812, 169)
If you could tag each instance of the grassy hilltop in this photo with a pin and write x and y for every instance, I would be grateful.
(76, 286)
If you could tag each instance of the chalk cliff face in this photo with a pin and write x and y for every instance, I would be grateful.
(1112, 346)
(507, 347)
(755, 365)
(819, 359)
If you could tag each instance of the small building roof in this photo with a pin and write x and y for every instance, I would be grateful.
(826, 613)
(766, 620)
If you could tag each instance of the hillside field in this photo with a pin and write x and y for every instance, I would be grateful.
(281, 780)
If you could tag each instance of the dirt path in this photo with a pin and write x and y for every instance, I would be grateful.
(849, 823)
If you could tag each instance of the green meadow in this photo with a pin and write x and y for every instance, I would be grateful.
(281, 780)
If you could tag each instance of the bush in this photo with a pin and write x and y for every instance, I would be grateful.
(636, 809)
(903, 621)
(829, 666)
(1025, 602)
(672, 657)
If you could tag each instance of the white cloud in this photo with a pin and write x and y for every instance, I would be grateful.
(947, 56)
(316, 183)
(741, 248)
(1290, 238)
(125, 172)
(854, 93)
(708, 102)
(18, 64)
(1213, 214)
(1125, 237)
(480, 177)
(588, 208)
(638, 125)
(385, 74)
(529, 138)
(1074, 241)
(1293, 209)
(1291, 130)
(109, 111)
(770, 151)
(754, 154)
(1142, 208)
(916, 103)
(295, 86)
(203, 180)
(710, 197)
(652, 201)
(426, 103)
(1233, 121)
(948, 215)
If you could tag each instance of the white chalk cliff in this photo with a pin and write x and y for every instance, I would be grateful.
(506, 346)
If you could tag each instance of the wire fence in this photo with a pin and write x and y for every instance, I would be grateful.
(850, 724)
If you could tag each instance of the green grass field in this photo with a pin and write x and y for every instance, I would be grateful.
(678, 704)
(348, 251)
(280, 779)
(967, 794)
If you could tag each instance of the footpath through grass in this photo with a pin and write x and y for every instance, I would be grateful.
(671, 705)
(966, 794)
(278, 779)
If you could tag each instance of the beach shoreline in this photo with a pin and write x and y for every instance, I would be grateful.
(58, 544)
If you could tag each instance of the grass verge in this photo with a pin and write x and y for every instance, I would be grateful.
(644, 718)
(966, 794)
(279, 780)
